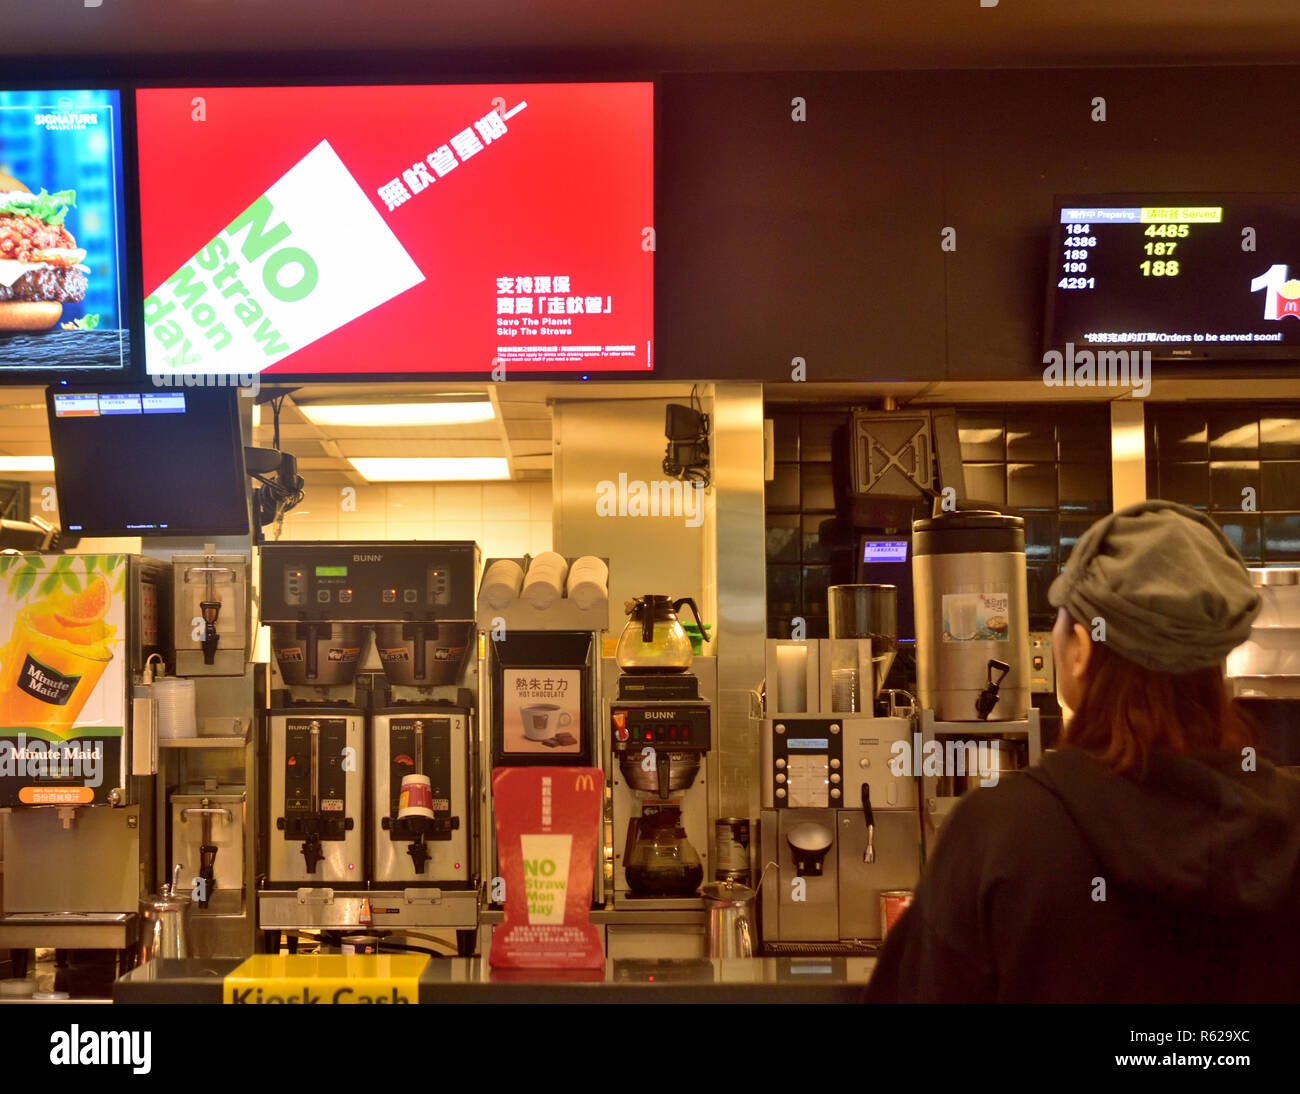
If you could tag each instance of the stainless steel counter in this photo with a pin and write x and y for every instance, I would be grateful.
(471, 980)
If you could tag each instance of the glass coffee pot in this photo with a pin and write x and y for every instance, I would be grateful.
(654, 639)
(659, 860)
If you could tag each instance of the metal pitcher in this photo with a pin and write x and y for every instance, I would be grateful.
(730, 907)
(165, 921)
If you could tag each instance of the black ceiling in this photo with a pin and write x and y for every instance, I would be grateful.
(447, 37)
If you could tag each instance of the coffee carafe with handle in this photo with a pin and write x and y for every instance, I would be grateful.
(658, 858)
(654, 639)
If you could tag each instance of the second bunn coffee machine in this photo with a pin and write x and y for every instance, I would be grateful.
(371, 787)
(660, 739)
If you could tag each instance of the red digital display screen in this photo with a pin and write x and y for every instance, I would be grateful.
(486, 229)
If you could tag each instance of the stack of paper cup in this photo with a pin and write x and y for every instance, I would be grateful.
(544, 582)
(588, 582)
(502, 582)
(176, 716)
(416, 797)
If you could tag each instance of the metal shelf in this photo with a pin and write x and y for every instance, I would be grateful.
(202, 742)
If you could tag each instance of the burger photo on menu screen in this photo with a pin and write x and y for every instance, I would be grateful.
(40, 263)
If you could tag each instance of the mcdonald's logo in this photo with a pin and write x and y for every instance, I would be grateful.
(584, 782)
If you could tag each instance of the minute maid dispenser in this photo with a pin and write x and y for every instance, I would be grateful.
(76, 755)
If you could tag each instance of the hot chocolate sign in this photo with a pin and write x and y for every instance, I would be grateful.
(542, 710)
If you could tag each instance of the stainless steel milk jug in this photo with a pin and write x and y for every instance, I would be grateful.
(164, 922)
(730, 931)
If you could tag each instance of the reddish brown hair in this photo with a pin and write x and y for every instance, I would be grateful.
(1128, 712)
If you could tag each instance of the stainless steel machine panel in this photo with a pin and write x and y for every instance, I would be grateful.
(896, 841)
(823, 762)
(441, 752)
(369, 582)
(326, 814)
(224, 811)
(211, 640)
(807, 911)
(91, 866)
(843, 904)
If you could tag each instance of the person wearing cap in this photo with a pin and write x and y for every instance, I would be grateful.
(1154, 856)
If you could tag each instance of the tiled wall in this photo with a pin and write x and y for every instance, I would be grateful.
(505, 519)
(1049, 463)
(1207, 455)
(803, 558)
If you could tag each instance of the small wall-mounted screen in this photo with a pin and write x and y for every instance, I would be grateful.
(146, 462)
(1172, 276)
(886, 550)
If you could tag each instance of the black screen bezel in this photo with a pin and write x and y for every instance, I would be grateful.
(1209, 352)
(235, 433)
(356, 79)
(129, 289)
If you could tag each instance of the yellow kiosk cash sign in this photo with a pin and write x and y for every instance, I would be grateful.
(329, 978)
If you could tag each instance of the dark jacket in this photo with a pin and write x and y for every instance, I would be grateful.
(1198, 864)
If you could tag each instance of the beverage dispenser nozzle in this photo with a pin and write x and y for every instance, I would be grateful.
(313, 662)
(663, 764)
(869, 855)
(207, 872)
(988, 698)
(311, 851)
(414, 633)
(311, 848)
(210, 605)
(419, 853)
(809, 843)
(207, 849)
(211, 609)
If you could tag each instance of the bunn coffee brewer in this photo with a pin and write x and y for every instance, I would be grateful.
(416, 843)
(317, 793)
(660, 737)
(373, 720)
(424, 733)
(659, 752)
(315, 727)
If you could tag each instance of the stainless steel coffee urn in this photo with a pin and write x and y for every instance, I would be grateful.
(972, 616)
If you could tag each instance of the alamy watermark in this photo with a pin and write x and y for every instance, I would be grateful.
(662, 498)
(248, 383)
(103, 1047)
(37, 759)
(935, 758)
(1103, 368)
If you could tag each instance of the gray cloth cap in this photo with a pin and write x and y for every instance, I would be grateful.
(1173, 592)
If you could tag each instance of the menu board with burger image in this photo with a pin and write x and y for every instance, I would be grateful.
(62, 678)
(62, 247)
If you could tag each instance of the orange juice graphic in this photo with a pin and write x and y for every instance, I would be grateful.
(57, 652)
